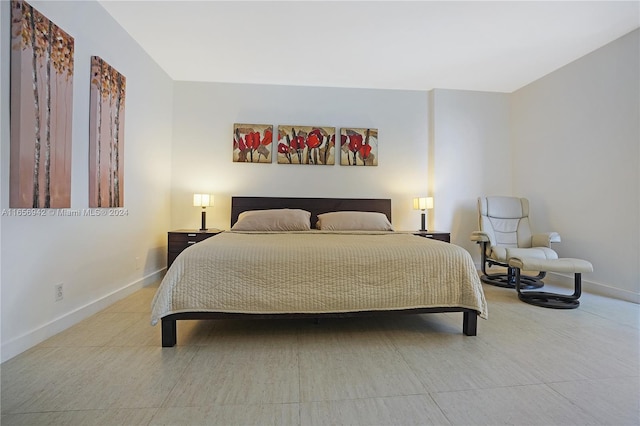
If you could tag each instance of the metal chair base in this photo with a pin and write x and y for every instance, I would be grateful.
(508, 280)
(550, 300)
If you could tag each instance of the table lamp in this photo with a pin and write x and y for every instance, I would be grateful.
(204, 201)
(423, 203)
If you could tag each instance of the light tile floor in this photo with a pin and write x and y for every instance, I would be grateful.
(528, 365)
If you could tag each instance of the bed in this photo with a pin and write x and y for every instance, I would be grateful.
(311, 273)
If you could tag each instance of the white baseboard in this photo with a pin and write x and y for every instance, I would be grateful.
(40, 334)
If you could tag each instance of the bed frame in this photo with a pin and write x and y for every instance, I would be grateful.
(316, 206)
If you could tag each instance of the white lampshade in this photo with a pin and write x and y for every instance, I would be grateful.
(423, 203)
(202, 200)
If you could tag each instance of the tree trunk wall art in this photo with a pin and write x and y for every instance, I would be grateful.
(41, 110)
(106, 135)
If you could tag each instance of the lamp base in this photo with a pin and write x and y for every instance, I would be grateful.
(423, 228)
(203, 226)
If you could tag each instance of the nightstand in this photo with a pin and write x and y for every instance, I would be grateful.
(183, 238)
(435, 235)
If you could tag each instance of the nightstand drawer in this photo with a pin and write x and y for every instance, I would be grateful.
(434, 235)
(179, 246)
(184, 238)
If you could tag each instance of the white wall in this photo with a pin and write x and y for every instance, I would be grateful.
(99, 259)
(204, 114)
(470, 156)
(576, 157)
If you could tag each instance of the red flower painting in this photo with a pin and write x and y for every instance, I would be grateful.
(359, 147)
(252, 143)
(306, 145)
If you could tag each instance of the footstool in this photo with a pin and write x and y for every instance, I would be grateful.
(546, 299)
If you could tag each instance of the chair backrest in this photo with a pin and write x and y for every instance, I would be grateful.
(505, 220)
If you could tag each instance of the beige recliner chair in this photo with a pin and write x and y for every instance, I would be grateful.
(505, 232)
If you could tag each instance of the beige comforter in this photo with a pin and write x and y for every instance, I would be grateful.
(314, 272)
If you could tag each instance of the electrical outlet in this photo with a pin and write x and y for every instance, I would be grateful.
(59, 292)
(138, 263)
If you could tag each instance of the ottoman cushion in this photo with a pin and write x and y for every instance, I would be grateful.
(565, 264)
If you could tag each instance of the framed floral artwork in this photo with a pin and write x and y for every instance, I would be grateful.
(359, 147)
(106, 135)
(306, 145)
(41, 110)
(252, 143)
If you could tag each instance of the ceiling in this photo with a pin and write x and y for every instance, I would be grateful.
(414, 45)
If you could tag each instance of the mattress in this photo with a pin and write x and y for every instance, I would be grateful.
(318, 272)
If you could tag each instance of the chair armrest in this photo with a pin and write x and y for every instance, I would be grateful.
(545, 239)
(479, 236)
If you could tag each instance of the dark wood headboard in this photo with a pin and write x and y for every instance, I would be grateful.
(314, 205)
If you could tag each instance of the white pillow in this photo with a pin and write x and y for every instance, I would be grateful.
(354, 221)
(273, 220)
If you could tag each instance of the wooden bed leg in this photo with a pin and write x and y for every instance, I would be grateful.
(470, 323)
(169, 333)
